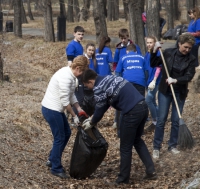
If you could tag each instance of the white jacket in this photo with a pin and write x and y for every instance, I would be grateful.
(60, 91)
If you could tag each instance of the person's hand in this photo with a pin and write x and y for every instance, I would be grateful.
(76, 120)
(152, 85)
(87, 124)
(156, 46)
(170, 80)
(82, 113)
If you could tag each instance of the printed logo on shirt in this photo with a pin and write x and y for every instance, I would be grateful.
(133, 67)
(132, 61)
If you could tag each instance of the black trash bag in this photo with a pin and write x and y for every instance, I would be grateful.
(168, 34)
(88, 103)
(89, 150)
(184, 29)
(177, 31)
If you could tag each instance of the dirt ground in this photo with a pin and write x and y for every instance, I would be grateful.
(25, 137)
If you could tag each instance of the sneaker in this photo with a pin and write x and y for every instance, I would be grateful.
(174, 151)
(48, 164)
(150, 128)
(156, 154)
(150, 176)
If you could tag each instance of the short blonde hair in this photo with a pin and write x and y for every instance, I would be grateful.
(80, 61)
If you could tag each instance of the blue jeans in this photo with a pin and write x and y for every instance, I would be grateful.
(61, 134)
(151, 102)
(164, 102)
(131, 129)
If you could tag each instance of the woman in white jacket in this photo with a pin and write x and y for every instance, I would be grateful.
(59, 97)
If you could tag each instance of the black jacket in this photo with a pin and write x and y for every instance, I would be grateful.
(187, 70)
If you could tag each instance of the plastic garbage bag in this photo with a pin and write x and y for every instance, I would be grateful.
(89, 150)
(169, 34)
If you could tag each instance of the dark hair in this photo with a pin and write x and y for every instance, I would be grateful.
(196, 12)
(186, 38)
(88, 75)
(131, 47)
(79, 29)
(93, 56)
(123, 33)
(103, 42)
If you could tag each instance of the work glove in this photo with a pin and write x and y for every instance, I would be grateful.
(156, 46)
(170, 80)
(82, 116)
(76, 120)
(152, 85)
(87, 124)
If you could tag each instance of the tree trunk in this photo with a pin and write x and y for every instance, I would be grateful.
(11, 4)
(125, 4)
(170, 14)
(29, 10)
(110, 10)
(77, 11)
(116, 10)
(70, 15)
(175, 10)
(23, 14)
(63, 12)
(135, 23)
(104, 2)
(17, 18)
(1, 68)
(45, 7)
(0, 5)
(99, 20)
(85, 10)
(153, 18)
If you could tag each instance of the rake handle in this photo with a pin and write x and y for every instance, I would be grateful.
(172, 89)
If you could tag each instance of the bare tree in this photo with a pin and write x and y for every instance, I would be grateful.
(99, 20)
(135, 22)
(85, 9)
(70, 15)
(176, 12)
(11, 4)
(125, 4)
(170, 14)
(24, 19)
(17, 18)
(76, 10)
(153, 18)
(63, 12)
(45, 7)
(0, 5)
(113, 10)
(29, 10)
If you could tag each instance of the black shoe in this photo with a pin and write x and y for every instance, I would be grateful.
(150, 128)
(61, 175)
(118, 181)
(151, 176)
(48, 164)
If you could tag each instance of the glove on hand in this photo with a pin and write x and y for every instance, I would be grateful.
(156, 46)
(76, 120)
(152, 85)
(87, 124)
(171, 80)
(82, 113)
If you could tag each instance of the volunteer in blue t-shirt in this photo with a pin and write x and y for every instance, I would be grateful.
(132, 68)
(104, 57)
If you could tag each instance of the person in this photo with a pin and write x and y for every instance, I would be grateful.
(144, 20)
(132, 68)
(104, 57)
(153, 79)
(162, 24)
(58, 97)
(74, 48)
(117, 92)
(181, 67)
(194, 29)
(119, 52)
(90, 54)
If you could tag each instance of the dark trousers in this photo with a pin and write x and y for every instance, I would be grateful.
(140, 88)
(61, 134)
(131, 129)
(194, 51)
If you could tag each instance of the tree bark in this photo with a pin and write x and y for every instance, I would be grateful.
(85, 10)
(23, 14)
(17, 18)
(116, 10)
(11, 4)
(113, 10)
(63, 12)
(29, 10)
(135, 23)
(70, 15)
(153, 18)
(125, 4)
(45, 7)
(175, 10)
(1, 68)
(76, 11)
(99, 20)
(170, 14)
(0, 5)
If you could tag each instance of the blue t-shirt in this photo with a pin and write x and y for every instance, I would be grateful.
(133, 67)
(194, 26)
(103, 61)
(121, 51)
(74, 48)
(91, 65)
(151, 71)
